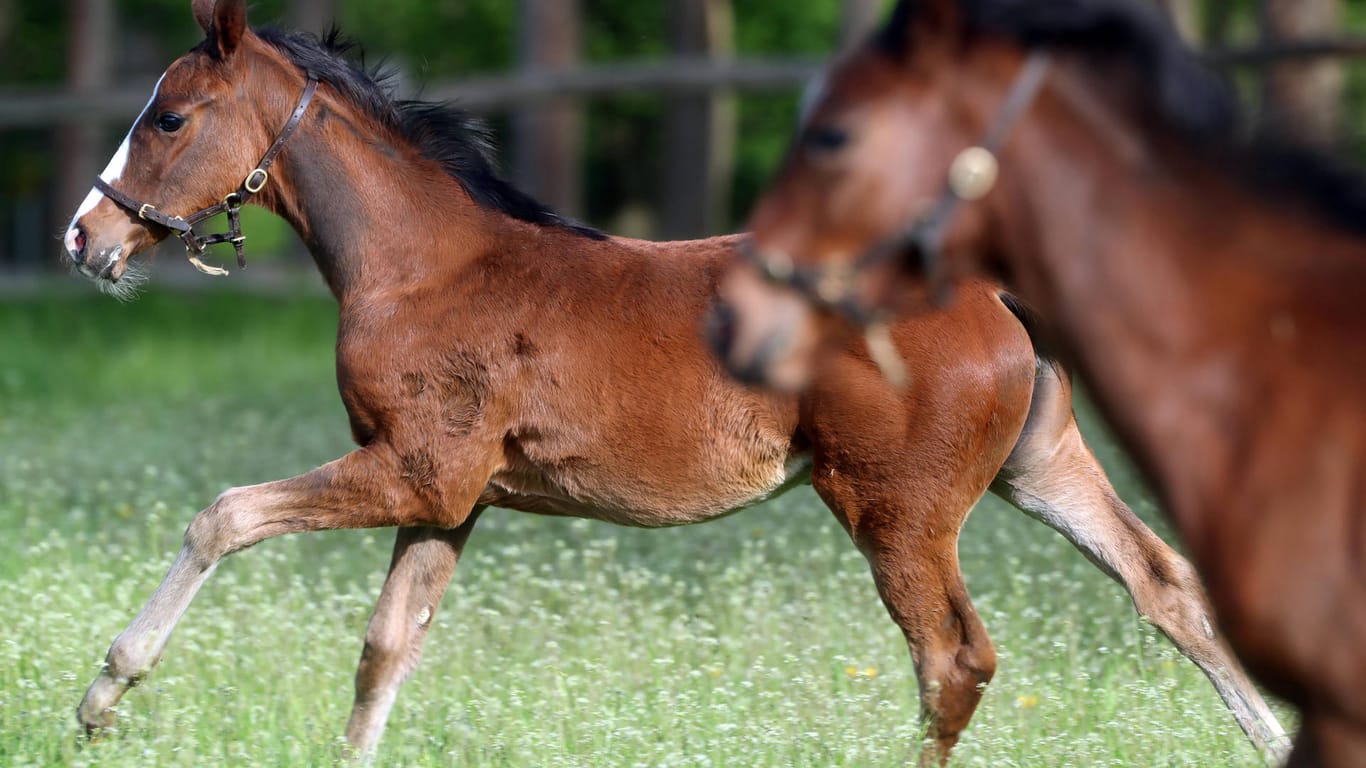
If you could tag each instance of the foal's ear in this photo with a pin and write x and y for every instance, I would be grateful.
(225, 21)
(919, 22)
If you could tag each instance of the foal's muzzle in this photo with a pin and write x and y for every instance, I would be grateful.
(92, 259)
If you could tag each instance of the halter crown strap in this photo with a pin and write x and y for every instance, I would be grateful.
(195, 243)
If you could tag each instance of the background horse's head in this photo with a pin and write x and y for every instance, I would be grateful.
(206, 126)
(884, 141)
(872, 153)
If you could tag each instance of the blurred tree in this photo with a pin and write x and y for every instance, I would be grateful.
(6, 21)
(312, 15)
(548, 136)
(89, 50)
(1186, 15)
(699, 128)
(859, 18)
(1304, 98)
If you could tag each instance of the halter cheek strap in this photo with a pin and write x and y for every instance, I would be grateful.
(195, 243)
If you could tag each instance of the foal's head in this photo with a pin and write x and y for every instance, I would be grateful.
(882, 187)
(211, 117)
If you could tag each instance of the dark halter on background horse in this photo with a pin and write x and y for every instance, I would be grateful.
(195, 243)
(972, 175)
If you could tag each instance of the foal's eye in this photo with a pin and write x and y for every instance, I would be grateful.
(169, 122)
(825, 138)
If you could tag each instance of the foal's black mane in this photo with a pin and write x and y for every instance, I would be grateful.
(459, 141)
(1182, 94)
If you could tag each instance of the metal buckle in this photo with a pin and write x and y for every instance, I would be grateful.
(232, 200)
(776, 266)
(142, 212)
(834, 282)
(973, 173)
(247, 183)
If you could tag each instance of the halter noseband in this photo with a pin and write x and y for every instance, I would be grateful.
(195, 243)
(971, 177)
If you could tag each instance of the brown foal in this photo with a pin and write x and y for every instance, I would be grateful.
(490, 353)
(1211, 289)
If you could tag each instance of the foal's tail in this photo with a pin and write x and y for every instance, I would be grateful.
(1033, 325)
(1050, 410)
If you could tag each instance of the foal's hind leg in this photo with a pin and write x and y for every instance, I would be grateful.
(912, 550)
(424, 560)
(1053, 477)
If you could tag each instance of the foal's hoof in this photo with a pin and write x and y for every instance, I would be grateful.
(95, 723)
(96, 712)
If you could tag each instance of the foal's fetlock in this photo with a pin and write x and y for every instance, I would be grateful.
(96, 712)
(121, 672)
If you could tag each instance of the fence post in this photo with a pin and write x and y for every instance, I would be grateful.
(547, 137)
(89, 47)
(1186, 16)
(699, 130)
(1303, 98)
(313, 15)
(858, 19)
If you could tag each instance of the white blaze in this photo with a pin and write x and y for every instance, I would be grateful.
(113, 171)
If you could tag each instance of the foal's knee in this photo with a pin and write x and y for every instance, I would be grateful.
(952, 685)
(1174, 601)
(126, 663)
(978, 662)
(214, 532)
(391, 651)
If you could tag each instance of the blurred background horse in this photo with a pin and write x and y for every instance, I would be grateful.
(1209, 286)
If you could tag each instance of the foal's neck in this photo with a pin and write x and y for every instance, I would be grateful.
(374, 213)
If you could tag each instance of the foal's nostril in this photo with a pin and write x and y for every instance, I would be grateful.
(720, 329)
(75, 245)
(721, 335)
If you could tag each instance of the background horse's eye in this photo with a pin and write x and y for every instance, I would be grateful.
(170, 122)
(825, 138)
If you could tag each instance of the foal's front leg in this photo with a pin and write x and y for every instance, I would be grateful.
(364, 489)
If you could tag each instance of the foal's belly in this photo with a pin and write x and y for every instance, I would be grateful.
(639, 502)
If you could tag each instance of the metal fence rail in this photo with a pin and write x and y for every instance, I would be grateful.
(35, 108)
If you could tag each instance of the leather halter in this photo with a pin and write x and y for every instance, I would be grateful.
(195, 243)
(971, 177)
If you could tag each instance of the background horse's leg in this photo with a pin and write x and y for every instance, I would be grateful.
(912, 550)
(424, 560)
(1053, 477)
(364, 489)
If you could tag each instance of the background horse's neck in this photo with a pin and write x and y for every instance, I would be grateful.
(1186, 298)
(373, 211)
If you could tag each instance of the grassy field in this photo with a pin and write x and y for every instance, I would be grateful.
(757, 640)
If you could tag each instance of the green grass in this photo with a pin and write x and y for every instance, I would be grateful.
(756, 640)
